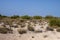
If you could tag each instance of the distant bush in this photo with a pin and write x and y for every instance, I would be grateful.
(2, 16)
(25, 17)
(37, 17)
(50, 17)
(22, 31)
(15, 16)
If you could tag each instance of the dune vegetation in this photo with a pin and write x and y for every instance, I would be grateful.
(53, 21)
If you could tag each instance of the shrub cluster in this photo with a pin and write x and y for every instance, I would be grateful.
(37, 17)
(22, 17)
(25, 17)
(55, 22)
(5, 30)
(15, 16)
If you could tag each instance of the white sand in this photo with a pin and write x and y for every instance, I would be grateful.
(28, 36)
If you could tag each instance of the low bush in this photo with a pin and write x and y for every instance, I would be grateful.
(25, 17)
(58, 30)
(49, 29)
(50, 17)
(5, 30)
(55, 22)
(15, 16)
(22, 20)
(30, 28)
(37, 17)
(39, 31)
(22, 31)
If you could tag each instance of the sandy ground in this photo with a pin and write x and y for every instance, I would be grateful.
(49, 35)
(31, 36)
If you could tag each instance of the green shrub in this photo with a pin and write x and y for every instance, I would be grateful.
(50, 17)
(2, 16)
(14, 16)
(37, 17)
(25, 17)
(55, 22)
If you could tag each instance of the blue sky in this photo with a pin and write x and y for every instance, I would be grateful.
(30, 7)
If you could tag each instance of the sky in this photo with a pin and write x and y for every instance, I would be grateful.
(30, 7)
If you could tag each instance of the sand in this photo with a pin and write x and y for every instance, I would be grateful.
(31, 36)
(49, 35)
